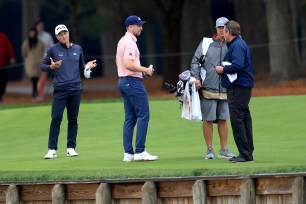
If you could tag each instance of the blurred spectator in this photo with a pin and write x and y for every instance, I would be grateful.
(6, 53)
(32, 52)
(47, 39)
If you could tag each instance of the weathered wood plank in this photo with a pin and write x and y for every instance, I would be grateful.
(177, 189)
(199, 192)
(186, 200)
(127, 201)
(35, 192)
(3, 190)
(287, 199)
(274, 185)
(149, 193)
(278, 189)
(58, 194)
(37, 202)
(247, 191)
(81, 191)
(12, 195)
(103, 194)
(298, 193)
(223, 187)
(77, 202)
(279, 199)
(224, 200)
(126, 190)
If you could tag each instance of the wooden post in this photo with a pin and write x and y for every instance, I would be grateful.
(12, 195)
(58, 194)
(298, 193)
(199, 192)
(103, 194)
(247, 191)
(149, 193)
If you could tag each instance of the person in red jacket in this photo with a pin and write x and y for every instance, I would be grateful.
(6, 53)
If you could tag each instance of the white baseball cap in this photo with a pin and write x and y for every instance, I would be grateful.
(59, 28)
(221, 21)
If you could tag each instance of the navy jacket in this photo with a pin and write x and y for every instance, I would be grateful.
(67, 76)
(239, 56)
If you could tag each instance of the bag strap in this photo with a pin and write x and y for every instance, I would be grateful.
(205, 44)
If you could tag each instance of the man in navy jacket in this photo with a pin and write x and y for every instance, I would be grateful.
(65, 60)
(237, 77)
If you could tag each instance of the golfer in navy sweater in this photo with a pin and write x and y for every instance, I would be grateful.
(65, 60)
(238, 62)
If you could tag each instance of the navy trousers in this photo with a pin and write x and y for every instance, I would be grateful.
(136, 107)
(71, 100)
(241, 121)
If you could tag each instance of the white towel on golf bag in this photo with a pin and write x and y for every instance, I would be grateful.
(191, 104)
(186, 110)
(196, 114)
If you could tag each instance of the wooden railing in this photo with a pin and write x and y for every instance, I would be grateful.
(251, 189)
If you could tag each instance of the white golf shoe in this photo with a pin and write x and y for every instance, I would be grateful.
(144, 156)
(51, 154)
(71, 152)
(128, 157)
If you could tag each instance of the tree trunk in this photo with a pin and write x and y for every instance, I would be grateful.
(193, 30)
(284, 58)
(75, 26)
(171, 21)
(254, 33)
(302, 16)
(110, 33)
(30, 14)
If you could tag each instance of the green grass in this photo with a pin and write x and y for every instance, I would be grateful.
(279, 138)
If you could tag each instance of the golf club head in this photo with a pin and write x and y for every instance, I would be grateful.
(171, 88)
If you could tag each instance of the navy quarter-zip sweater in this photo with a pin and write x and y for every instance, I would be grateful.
(239, 56)
(67, 76)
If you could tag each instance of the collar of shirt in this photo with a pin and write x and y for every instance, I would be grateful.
(64, 45)
(131, 36)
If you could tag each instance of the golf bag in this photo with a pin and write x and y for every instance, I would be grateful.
(185, 76)
(179, 88)
(187, 95)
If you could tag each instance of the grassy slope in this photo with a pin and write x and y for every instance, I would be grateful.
(278, 124)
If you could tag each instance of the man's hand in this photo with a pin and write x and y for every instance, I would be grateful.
(88, 67)
(148, 71)
(92, 64)
(55, 65)
(219, 69)
(198, 84)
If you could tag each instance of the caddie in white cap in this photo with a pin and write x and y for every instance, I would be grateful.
(221, 21)
(65, 60)
(214, 106)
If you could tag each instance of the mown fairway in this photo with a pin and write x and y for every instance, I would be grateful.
(279, 137)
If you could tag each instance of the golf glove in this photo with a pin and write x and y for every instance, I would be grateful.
(192, 80)
(87, 72)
